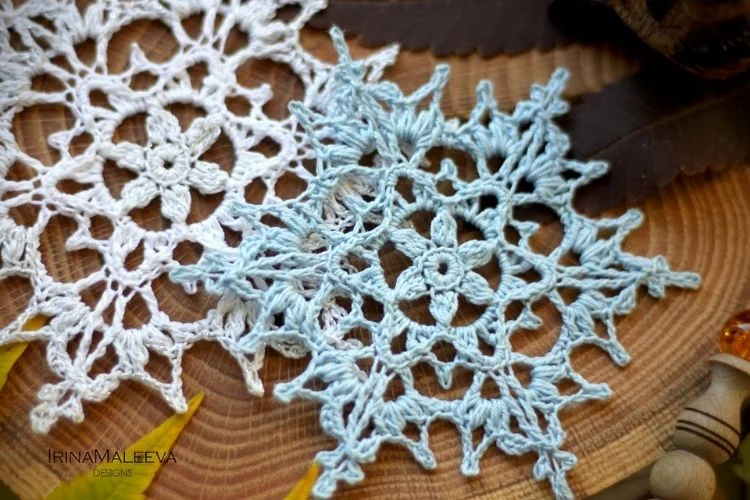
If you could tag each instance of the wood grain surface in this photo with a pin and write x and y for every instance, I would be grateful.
(238, 446)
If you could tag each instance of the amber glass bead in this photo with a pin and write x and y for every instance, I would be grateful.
(735, 336)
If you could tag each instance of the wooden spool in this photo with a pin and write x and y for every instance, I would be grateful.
(238, 446)
(707, 433)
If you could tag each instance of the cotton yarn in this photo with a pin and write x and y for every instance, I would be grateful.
(311, 265)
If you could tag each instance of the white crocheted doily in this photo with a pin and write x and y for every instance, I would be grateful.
(42, 38)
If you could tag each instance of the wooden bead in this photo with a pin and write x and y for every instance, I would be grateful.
(707, 433)
(680, 475)
(709, 427)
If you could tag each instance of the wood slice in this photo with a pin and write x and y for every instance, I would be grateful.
(238, 446)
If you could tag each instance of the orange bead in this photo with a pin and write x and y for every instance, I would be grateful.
(735, 336)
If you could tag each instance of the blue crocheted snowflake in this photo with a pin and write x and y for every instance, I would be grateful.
(316, 271)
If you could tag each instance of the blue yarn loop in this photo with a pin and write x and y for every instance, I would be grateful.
(318, 261)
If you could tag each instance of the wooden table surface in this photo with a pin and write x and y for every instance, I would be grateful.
(238, 446)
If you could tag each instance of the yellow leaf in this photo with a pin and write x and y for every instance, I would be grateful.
(10, 353)
(303, 488)
(35, 323)
(100, 484)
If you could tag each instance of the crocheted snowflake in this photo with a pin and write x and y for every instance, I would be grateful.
(315, 271)
(74, 50)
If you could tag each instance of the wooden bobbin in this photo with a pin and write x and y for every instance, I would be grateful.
(707, 433)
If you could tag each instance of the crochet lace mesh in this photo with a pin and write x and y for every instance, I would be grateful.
(317, 271)
(132, 200)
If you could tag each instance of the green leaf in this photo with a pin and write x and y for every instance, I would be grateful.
(93, 485)
(741, 466)
(6, 493)
(741, 472)
(727, 481)
(9, 354)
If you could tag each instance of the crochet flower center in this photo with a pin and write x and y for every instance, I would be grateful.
(442, 268)
(169, 165)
